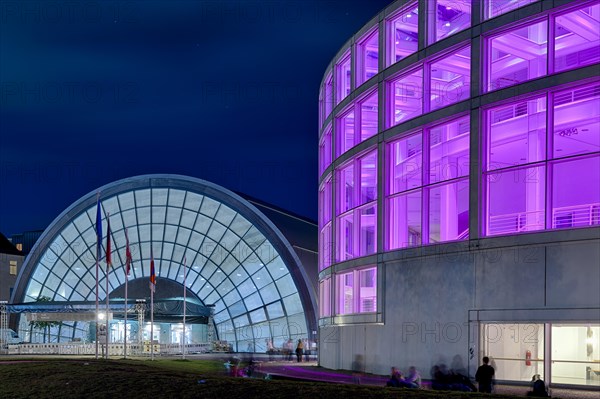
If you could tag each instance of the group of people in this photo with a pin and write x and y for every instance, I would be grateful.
(450, 380)
(398, 380)
(288, 350)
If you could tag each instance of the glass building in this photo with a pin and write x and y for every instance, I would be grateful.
(459, 191)
(251, 263)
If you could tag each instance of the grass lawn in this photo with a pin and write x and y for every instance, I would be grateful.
(69, 378)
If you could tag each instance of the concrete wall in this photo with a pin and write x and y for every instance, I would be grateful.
(433, 303)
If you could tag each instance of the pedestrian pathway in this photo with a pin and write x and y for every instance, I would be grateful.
(309, 371)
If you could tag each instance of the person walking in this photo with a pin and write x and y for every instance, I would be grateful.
(484, 376)
(299, 350)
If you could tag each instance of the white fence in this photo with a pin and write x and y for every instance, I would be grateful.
(114, 349)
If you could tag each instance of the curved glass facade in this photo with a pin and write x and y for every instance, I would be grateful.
(481, 121)
(532, 143)
(234, 257)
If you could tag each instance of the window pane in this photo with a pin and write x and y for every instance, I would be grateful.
(405, 164)
(516, 201)
(325, 203)
(325, 247)
(577, 121)
(345, 237)
(507, 344)
(325, 297)
(451, 16)
(345, 293)
(449, 212)
(368, 290)
(343, 78)
(368, 177)
(574, 354)
(368, 116)
(494, 8)
(517, 56)
(368, 57)
(575, 193)
(449, 150)
(450, 79)
(345, 133)
(328, 95)
(325, 150)
(345, 192)
(403, 36)
(404, 220)
(368, 230)
(517, 134)
(577, 38)
(406, 97)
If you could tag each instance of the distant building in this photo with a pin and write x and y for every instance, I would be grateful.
(24, 242)
(459, 198)
(11, 260)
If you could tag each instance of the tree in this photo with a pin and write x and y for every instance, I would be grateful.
(44, 325)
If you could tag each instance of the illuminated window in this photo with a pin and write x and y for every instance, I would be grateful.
(13, 267)
(357, 291)
(19, 246)
(493, 8)
(443, 191)
(450, 79)
(343, 77)
(577, 38)
(357, 207)
(325, 150)
(325, 297)
(362, 115)
(345, 132)
(367, 57)
(405, 97)
(325, 214)
(328, 96)
(402, 34)
(517, 55)
(451, 16)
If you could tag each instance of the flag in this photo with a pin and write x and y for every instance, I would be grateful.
(152, 273)
(108, 254)
(127, 255)
(98, 223)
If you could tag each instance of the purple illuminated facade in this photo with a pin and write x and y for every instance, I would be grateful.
(459, 170)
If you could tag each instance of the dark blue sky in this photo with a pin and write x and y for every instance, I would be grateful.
(226, 91)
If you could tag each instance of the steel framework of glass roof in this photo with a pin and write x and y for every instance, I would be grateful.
(237, 260)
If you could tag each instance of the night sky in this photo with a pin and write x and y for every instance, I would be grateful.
(226, 91)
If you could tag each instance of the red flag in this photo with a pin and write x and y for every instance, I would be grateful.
(127, 255)
(108, 255)
(152, 273)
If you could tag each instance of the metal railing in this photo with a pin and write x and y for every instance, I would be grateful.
(563, 217)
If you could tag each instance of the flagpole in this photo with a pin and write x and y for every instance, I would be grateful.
(151, 324)
(98, 243)
(127, 265)
(108, 263)
(184, 304)
(125, 336)
(152, 288)
(97, 304)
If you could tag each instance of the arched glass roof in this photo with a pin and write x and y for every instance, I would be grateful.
(236, 259)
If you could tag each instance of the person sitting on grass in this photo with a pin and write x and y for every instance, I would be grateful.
(395, 378)
(413, 379)
(539, 387)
